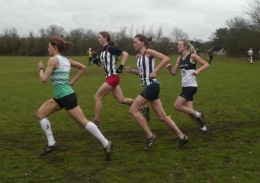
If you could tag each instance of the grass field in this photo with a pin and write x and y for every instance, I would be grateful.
(229, 94)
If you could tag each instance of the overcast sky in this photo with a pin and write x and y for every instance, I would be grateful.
(198, 18)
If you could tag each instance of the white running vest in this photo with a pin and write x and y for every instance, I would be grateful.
(60, 78)
(187, 68)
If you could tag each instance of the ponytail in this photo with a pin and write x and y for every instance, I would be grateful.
(189, 46)
(63, 46)
(108, 36)
(147, 41)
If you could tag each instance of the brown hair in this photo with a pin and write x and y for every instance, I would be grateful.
(63, 46)
(108, 36)
(189, 46)
(143, 38)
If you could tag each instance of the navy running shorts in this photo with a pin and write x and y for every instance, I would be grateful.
(188, 93)
(152, 92)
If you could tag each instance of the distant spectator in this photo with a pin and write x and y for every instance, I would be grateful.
(89, 56)
(222, 51)
(197, 51)
(211, 53)
(94, 56)
(250, 54)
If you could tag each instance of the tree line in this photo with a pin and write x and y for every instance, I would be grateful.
(241, 33)
(36, 45)
(236, 38)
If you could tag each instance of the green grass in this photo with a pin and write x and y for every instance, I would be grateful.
(229, 94)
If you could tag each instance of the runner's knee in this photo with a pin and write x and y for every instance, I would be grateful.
(133, 111)
(39, 115)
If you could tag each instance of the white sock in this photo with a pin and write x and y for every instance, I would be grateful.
(93, 129)
(46, 127)
(197, 114)
(204, 128)
(150, 135)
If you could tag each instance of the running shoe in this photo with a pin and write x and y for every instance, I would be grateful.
(97, 123)
(108, 150)
(204, 129)
(183, 141)
(49, 149)
(149, 142)
(201, 119)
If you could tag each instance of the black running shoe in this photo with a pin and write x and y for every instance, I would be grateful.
(201, 119)
(49, 149)
(149, 142)
(183, 141)
(108, 150)
(97, 123)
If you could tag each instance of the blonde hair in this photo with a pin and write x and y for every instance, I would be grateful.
(189, 46)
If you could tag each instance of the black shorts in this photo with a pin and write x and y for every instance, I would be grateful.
(152, 92)
(188, 93)
(68, 102)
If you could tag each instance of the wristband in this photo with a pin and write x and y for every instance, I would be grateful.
(41, 69)
(120, 69)
(168, 65)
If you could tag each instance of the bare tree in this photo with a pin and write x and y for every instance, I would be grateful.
(164, 45)
(238, 23)
(178, 34)
(77, 34)
(159, 34)
(253, 11)
(90, 41)
(150, 32)
(131, 31)
(10, 42)
(42, 33)
(55, 30)
(143, 28)
(121, 34)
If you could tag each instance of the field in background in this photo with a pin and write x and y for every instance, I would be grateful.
(229, 94)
